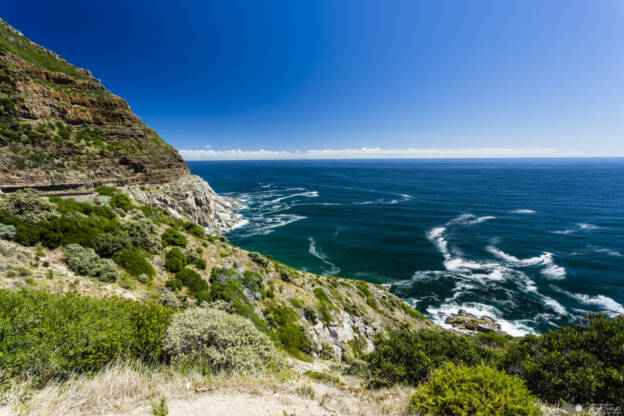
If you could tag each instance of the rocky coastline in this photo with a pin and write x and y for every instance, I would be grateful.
(190, 198)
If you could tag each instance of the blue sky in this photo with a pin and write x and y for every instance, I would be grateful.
(353, 78)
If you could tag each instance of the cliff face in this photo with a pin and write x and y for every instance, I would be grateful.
(190, 198)
(59, 126)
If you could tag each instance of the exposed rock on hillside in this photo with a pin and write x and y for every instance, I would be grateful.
(467, 324)
(59, 126)
(190, 198)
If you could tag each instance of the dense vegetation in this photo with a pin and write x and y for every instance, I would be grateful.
(409, 357)
(467, 391)
(582, 364)
(48, 336)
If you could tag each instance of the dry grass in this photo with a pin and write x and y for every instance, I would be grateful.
(132, 388)
(117, 388)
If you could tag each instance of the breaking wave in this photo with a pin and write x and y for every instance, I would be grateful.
(266, 208)
(316, 252)
(522, 211)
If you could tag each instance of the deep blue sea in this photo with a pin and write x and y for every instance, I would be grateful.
(533, 243)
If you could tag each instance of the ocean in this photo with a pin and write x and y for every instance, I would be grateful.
(532, 243)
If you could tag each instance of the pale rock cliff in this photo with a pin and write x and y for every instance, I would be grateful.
(190, 198)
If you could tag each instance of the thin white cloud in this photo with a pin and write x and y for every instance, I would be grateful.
(364, 153)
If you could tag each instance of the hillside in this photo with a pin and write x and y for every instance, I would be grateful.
(127, 299)
(60, 127)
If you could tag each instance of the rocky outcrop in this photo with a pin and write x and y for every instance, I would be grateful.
(192, 199)
(467, 324)
(59, 126)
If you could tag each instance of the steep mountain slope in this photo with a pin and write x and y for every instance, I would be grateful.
(60, 127)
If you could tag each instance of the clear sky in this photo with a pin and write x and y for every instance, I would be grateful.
(396, 77)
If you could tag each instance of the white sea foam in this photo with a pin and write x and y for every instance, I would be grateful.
(581, 226)
(436, 235)
(240, 224)
(544, 259)
(608, 252)
(522, 211)
(554, 272)
(551, 270)
(514, 328)
(316, 252)
(607, 304)
(310, 194)
(554, 305)
(470, 219)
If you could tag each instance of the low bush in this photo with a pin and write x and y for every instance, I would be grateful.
(60, 231)
(408, 357)
(215, 341)
(134, 263)
(142, 233)
(119, 200)
(107, 245)
(28, 206)
(174, 284)
(284, 322)
(192, 280)
(68, 205)
(175, 260)
(193, 229)
(463, 391)
(200, 264)
(106, 190)
(7, 232)
(86, 262)
(582, 364)
(50, 336)
(226, 287)
(173, 237)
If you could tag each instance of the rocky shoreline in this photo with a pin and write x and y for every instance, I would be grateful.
(193, 199)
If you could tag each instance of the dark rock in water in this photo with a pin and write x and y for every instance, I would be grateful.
(468, 324)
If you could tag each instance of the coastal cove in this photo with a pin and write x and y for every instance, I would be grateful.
(498, 238)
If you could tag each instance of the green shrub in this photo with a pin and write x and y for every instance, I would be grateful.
(408, 357)
(106, 190)
(259, 259)
(142, 233)
(193, 229)
(86, 262)
(200, 264)
(582, 364)
(174, 284)
(226, 287)
(7, 232)
(326, 307)
(50, 336)
(107, 245)
(215, 341)
(175, 260)
(119, 200)
(28, 206)
(68, 205)
(480, 391)
(134, 263)
(192, 280)
(284, 321)
(173, 237)
(203, 297)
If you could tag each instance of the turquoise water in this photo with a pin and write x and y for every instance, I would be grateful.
(533, 243)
